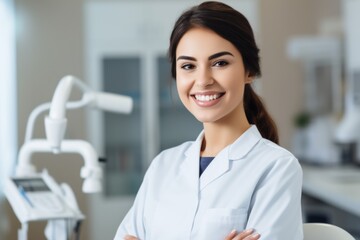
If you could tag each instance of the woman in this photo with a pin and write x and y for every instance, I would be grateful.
(251, 187)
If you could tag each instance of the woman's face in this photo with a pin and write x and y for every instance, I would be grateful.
(210, 76)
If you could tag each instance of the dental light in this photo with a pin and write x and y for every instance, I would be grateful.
(55, 126)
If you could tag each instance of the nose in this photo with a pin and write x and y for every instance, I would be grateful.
(204, 77)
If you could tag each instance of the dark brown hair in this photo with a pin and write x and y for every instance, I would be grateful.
(234, 27)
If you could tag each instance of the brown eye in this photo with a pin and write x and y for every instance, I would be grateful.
(188, 66)
(220, 63)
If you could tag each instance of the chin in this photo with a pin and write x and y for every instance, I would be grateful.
(206, 119)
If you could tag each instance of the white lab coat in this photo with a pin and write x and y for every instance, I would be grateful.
(252, 183)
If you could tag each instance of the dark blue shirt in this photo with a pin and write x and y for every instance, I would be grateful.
(204, 162)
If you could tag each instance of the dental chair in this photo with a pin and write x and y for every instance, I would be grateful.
(324, 231)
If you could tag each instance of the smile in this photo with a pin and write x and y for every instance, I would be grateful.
(207, 98)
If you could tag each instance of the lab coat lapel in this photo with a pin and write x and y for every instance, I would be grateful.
(216, 169)
(236, 151)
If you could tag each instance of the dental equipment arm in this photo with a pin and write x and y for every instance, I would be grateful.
(91, 171)
(55, 126)
(55, 123)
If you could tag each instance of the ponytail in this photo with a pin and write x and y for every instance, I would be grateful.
(257, 114)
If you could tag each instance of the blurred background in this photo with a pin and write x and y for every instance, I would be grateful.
(309, 59)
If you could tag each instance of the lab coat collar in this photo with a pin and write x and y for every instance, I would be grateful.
(221, 164)
(190, 167)
(237, 150)
(242, 146)
(194, 149)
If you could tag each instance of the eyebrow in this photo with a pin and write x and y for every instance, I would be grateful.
(216, 55)
(219, 54)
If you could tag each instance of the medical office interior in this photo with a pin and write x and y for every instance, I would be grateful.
(310, 59)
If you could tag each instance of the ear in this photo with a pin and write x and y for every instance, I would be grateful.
(248, 79)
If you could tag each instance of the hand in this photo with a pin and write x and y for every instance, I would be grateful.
(247, 234)
(129, 237)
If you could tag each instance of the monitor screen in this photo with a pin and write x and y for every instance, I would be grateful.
(31, 184)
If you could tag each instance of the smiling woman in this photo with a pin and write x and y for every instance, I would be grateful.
(7, 96)
(233, 181)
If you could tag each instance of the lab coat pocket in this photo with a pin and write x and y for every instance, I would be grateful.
(218, 222)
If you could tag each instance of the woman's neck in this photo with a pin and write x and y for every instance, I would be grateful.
(219, 136)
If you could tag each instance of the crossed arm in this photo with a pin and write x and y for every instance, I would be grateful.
(247, 234)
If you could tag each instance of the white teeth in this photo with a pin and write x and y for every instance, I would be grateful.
(206, 98)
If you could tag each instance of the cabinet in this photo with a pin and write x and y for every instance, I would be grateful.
(126, 52)
(131, 141)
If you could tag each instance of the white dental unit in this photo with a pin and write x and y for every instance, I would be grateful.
(348, 130)
(37, 196)
(321, 57)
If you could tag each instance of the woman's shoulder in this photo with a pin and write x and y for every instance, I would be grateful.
(178, 149)
(274, 148)
(173, 155)
(274, 154)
